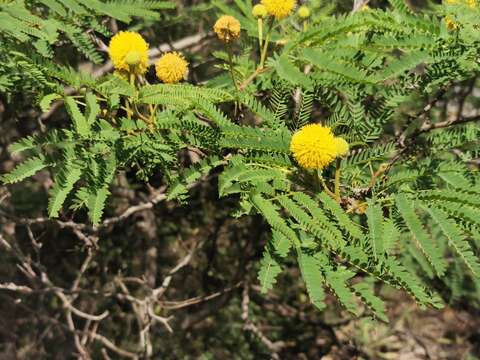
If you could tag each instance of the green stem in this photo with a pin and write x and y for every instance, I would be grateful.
(267, 42)
(260, 33)
(230, 64)
(127, 102)
(325, 187)
(337, 179)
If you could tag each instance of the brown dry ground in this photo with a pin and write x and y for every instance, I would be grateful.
(412, 334)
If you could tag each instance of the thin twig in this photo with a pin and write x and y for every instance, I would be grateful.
(17, 288)
(250, 326)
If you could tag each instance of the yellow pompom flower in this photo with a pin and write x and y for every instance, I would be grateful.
(172, 68)
(259, 11)
(342, 146)
(314, 146)
(303, 12)
(129, 52)
(227, 28)
(279, 8)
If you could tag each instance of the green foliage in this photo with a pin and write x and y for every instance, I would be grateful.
(36, 28)
(313, 278)
(26, 169)
(423, 241)
(269, 270)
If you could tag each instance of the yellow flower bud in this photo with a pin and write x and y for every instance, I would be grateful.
(259, 11)
(133, 58)
(304, 12)
(342, 146)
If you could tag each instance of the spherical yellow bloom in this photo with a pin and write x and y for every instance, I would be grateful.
(314, 146)
(303, 12)
(172, 68)
(227, 28)
(342, 146)
(279, 8)
(259, 11)
(129, 52)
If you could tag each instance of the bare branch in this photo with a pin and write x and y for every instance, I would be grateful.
(17, 288)
(250, 326)
(198, 299)
(110, 345)
(427, 126)
(358, 4)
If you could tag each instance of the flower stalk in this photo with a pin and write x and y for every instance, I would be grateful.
(337, 180)
(263, 54)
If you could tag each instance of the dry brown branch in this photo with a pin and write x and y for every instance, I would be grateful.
(358, 4)
(250, 326)
(428, 126)
(159, 197)
(110, 345)
(17, 288)
(158, 292)
(5, 243)
(67, 302)
(172, 305)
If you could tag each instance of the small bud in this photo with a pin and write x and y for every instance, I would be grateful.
(304, 12)
(342, 146)
(259, 11)
(133, 58)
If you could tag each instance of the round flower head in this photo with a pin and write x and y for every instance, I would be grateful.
(303, 12)
(259, 11)
(227, 28)
(172, 68)
(342, 146)
(314, 146)
(279, 8)
(129, 52)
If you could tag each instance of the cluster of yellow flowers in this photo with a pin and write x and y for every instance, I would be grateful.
(129, 54)
(315, 146)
